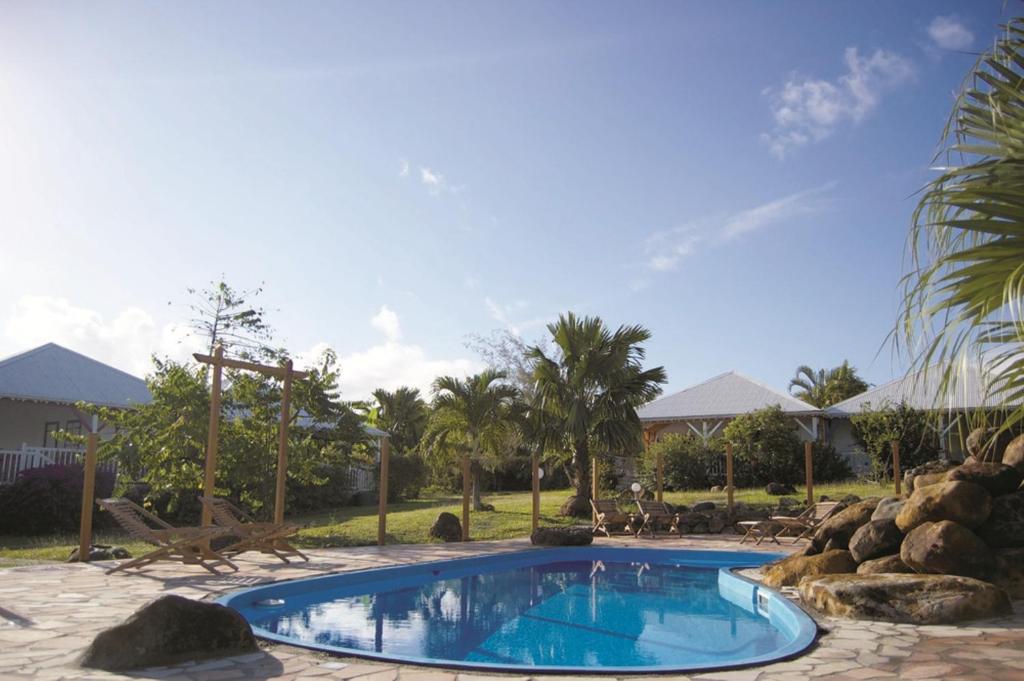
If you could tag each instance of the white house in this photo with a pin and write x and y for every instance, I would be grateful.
(38, 392)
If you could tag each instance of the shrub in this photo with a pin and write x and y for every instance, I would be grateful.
(687, 462)
(407, 475)
(48, 500)
(829, 465)
(766, 448)
(876, 429)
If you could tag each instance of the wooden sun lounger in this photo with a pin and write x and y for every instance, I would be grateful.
(607, 512)
(807, 522)
(654, 512)
(189, 545)
(270, 538)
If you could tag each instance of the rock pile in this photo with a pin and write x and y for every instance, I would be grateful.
(957, 539)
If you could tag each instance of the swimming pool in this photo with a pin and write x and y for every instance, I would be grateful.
(593, 609)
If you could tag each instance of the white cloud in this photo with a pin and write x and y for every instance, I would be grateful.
(949, 34)
(506, 316)
(403, 167)
(391, 365)
(667, 255)
(809, 110)
(789, 207)
(434, 181)
(387, 321)
(126, 341)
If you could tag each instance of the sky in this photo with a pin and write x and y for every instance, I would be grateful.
(738, 177)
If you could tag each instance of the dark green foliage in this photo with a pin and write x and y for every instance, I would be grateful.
(766, 448)
(688, 462)
(47, 500)
(823, 388)
(876, 429)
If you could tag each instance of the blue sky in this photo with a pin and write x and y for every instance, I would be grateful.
(736, 176)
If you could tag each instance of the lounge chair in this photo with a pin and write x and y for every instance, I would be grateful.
(653, 513)
(189, 545)
(607, 512)
(251, 535)
(807, 522)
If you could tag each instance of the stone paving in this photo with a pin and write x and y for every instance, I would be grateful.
(49, 614)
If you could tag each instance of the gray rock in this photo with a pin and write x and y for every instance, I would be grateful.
(779, 488)
(912, 599)
(927, 468)
(562, 536)
(887, 508)
(704, 506)
(875, 539)
(841, 526)
(446, 527)
(1013, 455)
(169, 630)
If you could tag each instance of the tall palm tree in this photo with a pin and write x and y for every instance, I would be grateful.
(963, 294)
(473, 416)
(590, 390)
(402, 414)
(826, 387)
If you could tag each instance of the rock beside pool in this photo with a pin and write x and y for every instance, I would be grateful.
(789, 571)
(997, 478)
(169, 630)
(912, 599)
(840, 527)
(887, 508)
(1004, 527)
(562, 536)
(1013, 455)
(886, 564)
(963, 502)
(446, 527)
(1010, 571)
(927, 468)
(947, 548)
(875, 539)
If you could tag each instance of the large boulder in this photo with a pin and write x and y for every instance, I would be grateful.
(997, 478)
(840, 527)
(446, 527)
(789, 571)
(927, 468)
(1005, 525)
(887, 564)
(169, 630)
(987, 444)
(1013, 455)
(887, 508)
(704, 506)
(911, 599)
(562, 536)
(875, 539)
(947, 548)
(1009, 574)
(962, 502)
(779, 489)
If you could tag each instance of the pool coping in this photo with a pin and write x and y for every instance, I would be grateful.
(802, 627)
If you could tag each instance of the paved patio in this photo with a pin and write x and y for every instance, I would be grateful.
(49, 614)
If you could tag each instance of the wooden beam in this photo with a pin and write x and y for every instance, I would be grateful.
(282, 444)
(210, 477)
(809, 471)
(728, 476)
(218, 359)
(465, 498)
(535, 466)
(382, 491)
(595, 472)
(88, 497)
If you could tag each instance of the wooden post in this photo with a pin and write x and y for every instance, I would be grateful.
(210, 479)
(465, 498)
(661, 472)
(728, 475)
(282, 444)
(595, 486)
(535, 466)
(382, 491)
(896, 476)
(809, 471)
(88, 494)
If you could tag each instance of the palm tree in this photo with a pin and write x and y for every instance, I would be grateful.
(402, 414)
(963, 294)
(823, 388)
(475, 417)
(589, 392)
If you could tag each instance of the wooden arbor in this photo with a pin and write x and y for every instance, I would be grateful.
(218, 361)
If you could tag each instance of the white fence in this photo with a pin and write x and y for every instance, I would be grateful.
(361, 479)
(14, 461)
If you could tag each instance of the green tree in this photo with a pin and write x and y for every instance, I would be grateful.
(877, 428)
(589, 392)
(765, 442)
(226, 316)
(476, 416)
(826, 387)
(963, 294)
(403, 414)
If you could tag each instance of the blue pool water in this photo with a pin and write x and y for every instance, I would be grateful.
(594, 609)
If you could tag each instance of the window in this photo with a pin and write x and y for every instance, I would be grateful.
(73, 428)
(50, 433)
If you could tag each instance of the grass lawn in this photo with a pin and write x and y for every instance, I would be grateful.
(409, 521)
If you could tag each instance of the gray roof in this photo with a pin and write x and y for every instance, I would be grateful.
(920, 390)
(51, 373)
(724, 396)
